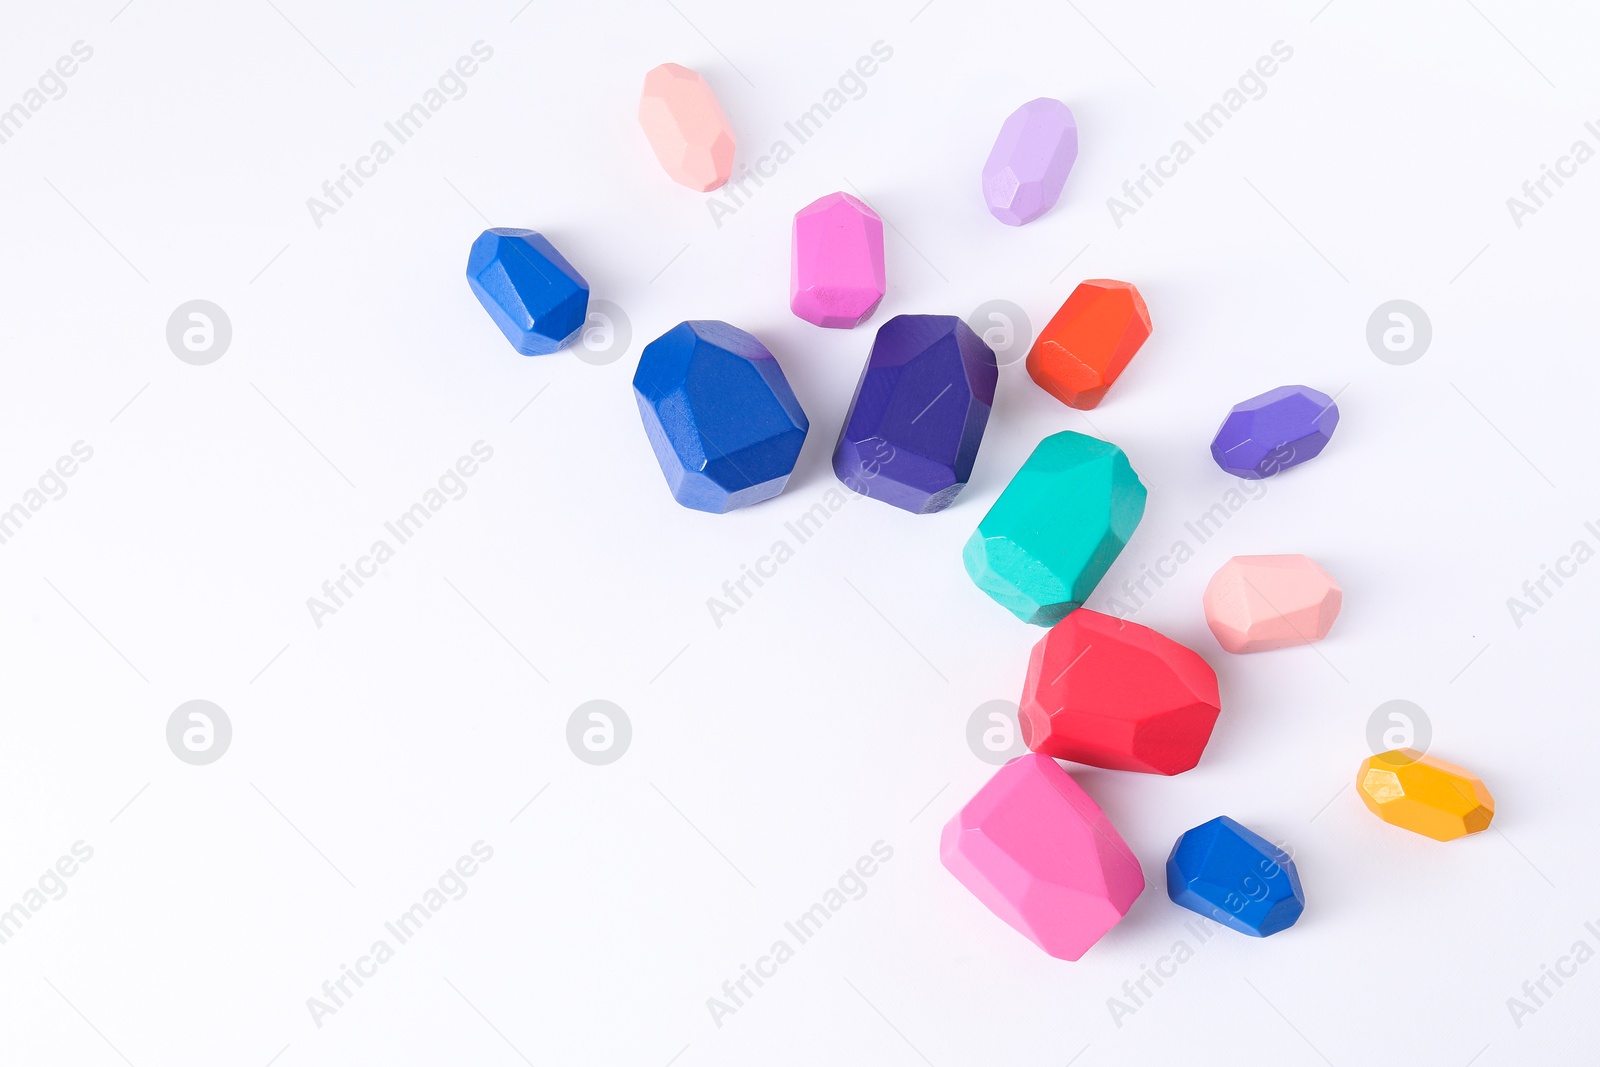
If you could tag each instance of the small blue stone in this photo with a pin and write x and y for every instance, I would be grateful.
(528, 288)
(1272, 432)
(1237, 877)
(725, 426)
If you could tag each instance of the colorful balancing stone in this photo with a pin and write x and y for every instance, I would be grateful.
(725, 426)
(1112, 693)
(913, 429)
(1257, 603)
(1237, 877)
(686, 127)
(1039, 853)
(1056, 528)
(1425, 795)
(1277, 430)
(1089, 342)
(836, 274)
(528, 288)
(1030, 161)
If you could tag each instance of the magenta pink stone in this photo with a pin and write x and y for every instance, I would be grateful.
(836, 276)
(1039, 853)
(1030, 161)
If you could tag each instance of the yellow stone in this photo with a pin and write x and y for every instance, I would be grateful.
(1425, 795)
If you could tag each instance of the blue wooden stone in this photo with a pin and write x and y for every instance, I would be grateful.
(914, 427)
(725, 426)
(528, 288)
(1228, 873)
(1274, 431)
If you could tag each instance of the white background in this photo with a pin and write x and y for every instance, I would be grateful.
(830, 712)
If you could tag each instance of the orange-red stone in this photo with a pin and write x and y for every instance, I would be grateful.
(1089, 342)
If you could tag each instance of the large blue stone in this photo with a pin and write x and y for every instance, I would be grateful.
(725, 426)
(914, 427)
(1277, 430)
(1228, 873)
(528, 288)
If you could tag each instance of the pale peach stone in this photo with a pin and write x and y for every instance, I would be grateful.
(1256, 603)
(686, 127)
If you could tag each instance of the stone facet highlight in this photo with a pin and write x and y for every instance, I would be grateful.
(532, 293)
(1030, 161)
(1112, 693)
(1272, 432)
(725, 426)
(1425, 795)
(1039, 853)
(1231, 874)
(1089, 342)
(836, 276)
(1056, 528)
(1258, 603)
(914, 427)
(686, 127)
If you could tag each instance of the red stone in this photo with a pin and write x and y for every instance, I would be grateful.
(1111, 693)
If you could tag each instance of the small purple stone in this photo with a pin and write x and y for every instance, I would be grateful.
(1274, 431)
(914, 426)
(1030, 161)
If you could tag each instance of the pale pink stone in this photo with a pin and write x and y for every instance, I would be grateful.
(1043, 857)
(836, 276)
(686, 127)
(1256, 603)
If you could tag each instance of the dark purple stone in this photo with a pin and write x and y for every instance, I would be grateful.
(913, 429)
(1274, 431)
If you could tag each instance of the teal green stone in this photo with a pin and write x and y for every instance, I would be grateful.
(1057, 527)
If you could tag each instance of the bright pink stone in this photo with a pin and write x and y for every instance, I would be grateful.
(836, 274)
(1257, 603)
(1042, 856)
(686, 127)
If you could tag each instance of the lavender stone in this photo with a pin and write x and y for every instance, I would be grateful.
(1274, 431)
(914, 426)
(1030, 161)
